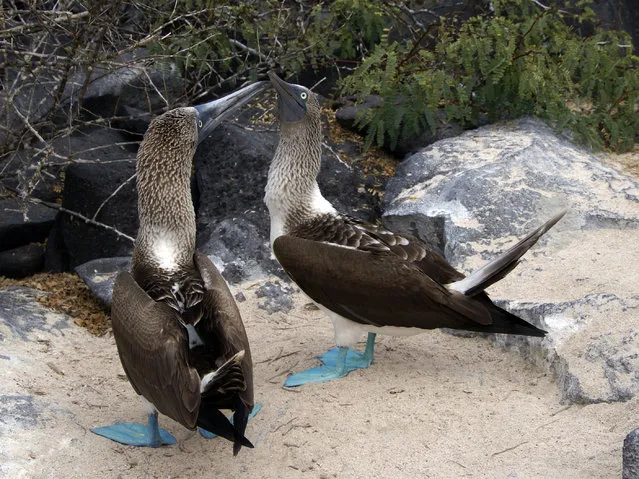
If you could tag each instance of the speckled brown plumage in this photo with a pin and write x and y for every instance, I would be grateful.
(355, 233)
(171, 285)
(163, 181)
(361, 272)
(300, 140)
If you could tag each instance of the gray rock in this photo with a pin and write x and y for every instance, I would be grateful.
(347, 115)
(631, 455)
(25, 318)
(593, 363)
(230, 170)
(616, 15)
(239, 250)
(276, 297)
(86, 188)
(23, 223)
(96, 145)
(19, 409)
(56, 255)
(473, 196)
(22, 261)
(86, 145)
(99, 275)
(138, 86)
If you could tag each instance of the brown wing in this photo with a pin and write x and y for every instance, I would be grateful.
(221, 324)
(222, 330)
(153, 348)
(377, 288)
(362, 235)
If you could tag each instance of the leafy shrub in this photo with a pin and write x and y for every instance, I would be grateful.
(522, 58)
(217, 42)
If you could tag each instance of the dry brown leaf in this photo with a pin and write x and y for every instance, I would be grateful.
(67, 294)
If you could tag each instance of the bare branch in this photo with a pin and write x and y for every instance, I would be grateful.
(81, 216)
(115, 192)
(58, 207)
(250, 50)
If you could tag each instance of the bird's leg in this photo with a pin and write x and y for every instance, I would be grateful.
(155, 440)
(366, 359)
(134, 434)
(338, 362)
(369, 352)
(209, 435)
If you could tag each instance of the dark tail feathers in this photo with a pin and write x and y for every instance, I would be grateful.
(508, 323)
(212, 419)
(496, 269)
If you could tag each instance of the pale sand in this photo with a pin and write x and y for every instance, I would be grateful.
(432, 405)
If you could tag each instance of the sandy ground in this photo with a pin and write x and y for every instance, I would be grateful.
(432, 405)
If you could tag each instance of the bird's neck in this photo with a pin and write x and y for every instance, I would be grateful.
(292, 193)
(166, 237)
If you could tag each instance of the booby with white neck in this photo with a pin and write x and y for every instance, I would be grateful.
(178, 331)
(366, 278)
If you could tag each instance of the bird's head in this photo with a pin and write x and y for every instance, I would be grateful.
(295, 103)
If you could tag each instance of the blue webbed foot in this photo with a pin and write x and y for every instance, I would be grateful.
(338, 362)
(319, 374)
(134, 434)
(354, 359)
(209, 435)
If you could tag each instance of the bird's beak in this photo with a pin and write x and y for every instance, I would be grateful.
(290, 106)
(211, 114)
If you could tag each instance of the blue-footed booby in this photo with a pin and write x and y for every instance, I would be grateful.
(366, 278)
(178, 331)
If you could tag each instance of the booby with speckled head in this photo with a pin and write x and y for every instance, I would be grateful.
(178, 331)
(366, 278)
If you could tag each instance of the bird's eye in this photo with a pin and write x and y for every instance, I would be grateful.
(303, 95)
(199, 123)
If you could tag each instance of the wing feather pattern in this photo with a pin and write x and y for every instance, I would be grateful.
(377, 288)
(222, 328)
(364, 236)
(153, 348)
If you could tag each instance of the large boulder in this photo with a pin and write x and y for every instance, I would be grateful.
(23, 223)
(631, 455)
(471, 197)
(22, 261)
(130, 92)
(99, 275)
(27, 171)
(91, 190)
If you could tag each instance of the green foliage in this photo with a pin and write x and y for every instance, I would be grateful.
(217, 41)
(520, 59)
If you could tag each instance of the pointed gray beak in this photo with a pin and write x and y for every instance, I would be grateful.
(211, 114)
(292, 98)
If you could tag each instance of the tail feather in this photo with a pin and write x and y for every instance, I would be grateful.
(220, 389)
(212, 419)
(496, 269)
(507, 323)
(240, 419)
